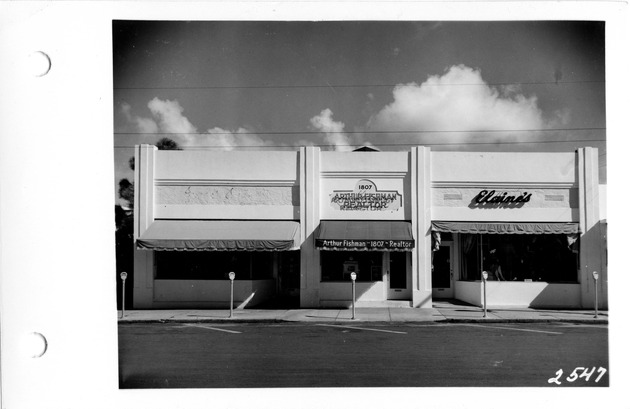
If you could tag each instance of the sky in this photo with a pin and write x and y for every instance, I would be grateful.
(473, 86)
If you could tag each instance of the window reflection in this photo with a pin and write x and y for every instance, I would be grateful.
(520, 257)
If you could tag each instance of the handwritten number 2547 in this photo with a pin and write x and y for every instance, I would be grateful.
(586, 373)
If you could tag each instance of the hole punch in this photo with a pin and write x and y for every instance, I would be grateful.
(39, 63)
(37, 345)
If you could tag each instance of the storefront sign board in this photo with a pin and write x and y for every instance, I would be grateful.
(342, 244)
(366, 197)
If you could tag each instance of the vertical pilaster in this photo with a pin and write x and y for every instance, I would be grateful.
(591, 239)
(415, 270)
(421, 225)
(310, 271)
(143, 188)
(143, 217)
(143, 278)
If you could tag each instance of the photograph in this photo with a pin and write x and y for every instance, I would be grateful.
(360, 203)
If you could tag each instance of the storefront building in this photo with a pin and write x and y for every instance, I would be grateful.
(412, 225)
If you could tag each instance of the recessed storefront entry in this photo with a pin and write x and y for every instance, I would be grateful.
(398, 287)
(442, 272)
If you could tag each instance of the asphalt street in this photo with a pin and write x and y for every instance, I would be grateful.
(241, 355)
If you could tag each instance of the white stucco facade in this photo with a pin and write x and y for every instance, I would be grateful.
(409, 190)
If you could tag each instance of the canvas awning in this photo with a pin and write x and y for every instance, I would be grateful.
(364, 235)
(221, 235)
(505, 228)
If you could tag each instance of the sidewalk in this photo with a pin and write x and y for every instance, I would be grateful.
(442, 312)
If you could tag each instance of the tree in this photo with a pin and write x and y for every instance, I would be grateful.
(124, 227)
(166, 144)
(125, 187)
(125, 191)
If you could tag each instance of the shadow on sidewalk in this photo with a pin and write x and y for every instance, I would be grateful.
(280, 303)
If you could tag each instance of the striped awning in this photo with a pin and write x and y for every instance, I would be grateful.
(221, 235)
(505, 227)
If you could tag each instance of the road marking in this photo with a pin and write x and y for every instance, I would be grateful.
(213, 328)
(513, 329)
(364, 329)
(578, 325)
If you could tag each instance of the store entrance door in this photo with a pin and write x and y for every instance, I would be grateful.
(442, 271)
(288, 280)
(398, 286)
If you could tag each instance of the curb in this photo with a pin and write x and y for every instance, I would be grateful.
(199, 320)
(281, 320)
(523, 320)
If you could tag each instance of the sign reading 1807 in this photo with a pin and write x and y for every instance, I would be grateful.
(366, 197)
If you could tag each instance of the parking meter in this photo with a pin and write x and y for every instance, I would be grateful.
(123, 277)
(231, 276)
(484, 275)
(596, 277)
(353, 277)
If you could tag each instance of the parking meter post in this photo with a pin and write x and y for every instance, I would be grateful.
(231, 276)
(123, 277)
(353, 297)
(353, 277)
(484, 275)
(595, 277)
(485, 305)
(123, 300)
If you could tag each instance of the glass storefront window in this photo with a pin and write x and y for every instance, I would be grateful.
(338, 265)
(206, 265)
(519, 257)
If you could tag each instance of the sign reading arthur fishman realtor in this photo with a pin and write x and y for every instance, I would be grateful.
(366, 197)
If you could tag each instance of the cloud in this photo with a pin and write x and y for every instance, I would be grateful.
(333, 129)
(168, 117)
(144, 125)
(229, 139)
(458, 100)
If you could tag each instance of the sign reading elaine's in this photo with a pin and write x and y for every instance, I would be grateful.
(491, 199)
(491, 196)
(366, 197)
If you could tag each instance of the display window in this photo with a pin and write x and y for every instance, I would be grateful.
(550, 258)
(205, 265)
(338, 265)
